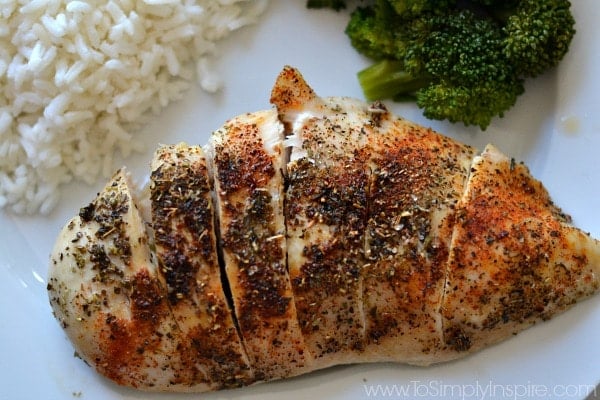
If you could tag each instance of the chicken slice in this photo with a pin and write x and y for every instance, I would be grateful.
(248, 159)
(105, 291)
(183, 223)
(325, 214)
(417, 178)
(418, 307)
(371, 197)
(514, 259)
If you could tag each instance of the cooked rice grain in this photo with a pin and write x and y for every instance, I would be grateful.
(77, 79)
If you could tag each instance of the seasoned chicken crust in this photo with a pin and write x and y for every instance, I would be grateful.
(323, 231)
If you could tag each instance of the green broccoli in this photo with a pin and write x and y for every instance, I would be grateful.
(374, 31)
(538, 35)
(379, 33)
(458, 72)
(471, 105)
(411, 8)
(459, 60)
(464, 49)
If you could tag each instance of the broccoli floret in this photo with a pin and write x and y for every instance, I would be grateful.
(458, 72)
(412, 8)
(459, 60)
(471, 105)
(472, 80)
(538, 35)
(465, 49)
(373, 30)
(378, 32)
(337, 5)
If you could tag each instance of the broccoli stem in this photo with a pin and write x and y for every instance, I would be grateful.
(387, 79)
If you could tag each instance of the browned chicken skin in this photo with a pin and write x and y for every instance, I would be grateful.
(321, 232)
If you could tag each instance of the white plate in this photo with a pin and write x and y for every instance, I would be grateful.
(554, 128)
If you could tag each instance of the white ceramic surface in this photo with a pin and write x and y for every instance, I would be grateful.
(554, 128)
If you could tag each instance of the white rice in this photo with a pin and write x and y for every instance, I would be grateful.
(77, 79)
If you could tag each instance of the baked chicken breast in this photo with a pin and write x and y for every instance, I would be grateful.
(323, 231)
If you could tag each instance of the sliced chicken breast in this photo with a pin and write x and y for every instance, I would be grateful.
(248, 162)
(186, 248)
(514, 259)
(361, 237)
(417, 178)
(383, 191)
(326, 210)
(106, 292)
